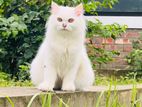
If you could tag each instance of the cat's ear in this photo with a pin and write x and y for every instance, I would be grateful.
(54, 7)
(79, 10)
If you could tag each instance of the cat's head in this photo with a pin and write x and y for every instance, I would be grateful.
(66, 19)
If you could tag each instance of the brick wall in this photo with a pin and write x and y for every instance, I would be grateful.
(123, 44)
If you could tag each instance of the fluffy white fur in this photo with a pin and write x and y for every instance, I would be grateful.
(62, 61)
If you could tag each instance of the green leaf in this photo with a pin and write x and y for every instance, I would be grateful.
(14, 32)
(1, 2)
(14, 25)
(85, 1)
(28, 55)
(11, 19)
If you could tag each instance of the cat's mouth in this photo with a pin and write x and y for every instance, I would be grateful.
(64, 29)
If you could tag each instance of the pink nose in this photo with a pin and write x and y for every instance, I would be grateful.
(64, 25)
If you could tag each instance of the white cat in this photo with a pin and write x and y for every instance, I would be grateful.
(62, 60)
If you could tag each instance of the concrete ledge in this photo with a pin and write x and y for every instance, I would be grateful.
(21, 96)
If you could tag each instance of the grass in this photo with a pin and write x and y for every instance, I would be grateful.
(100, 80)
(46, 100)
(6, 81)
(120, 80)
(12, 83)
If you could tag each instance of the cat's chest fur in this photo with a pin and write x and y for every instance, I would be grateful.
(63, 54)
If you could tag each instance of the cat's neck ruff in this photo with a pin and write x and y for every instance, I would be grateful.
(65, 34)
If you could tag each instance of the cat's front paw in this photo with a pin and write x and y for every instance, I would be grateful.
(68, 87)
(45, 87)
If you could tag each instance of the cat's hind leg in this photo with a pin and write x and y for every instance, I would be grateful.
(85, 75)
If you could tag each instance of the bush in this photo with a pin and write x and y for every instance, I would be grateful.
(5, 80)
(134, 59)
(22, 30)
(100, 55)
(4, 76)
(22, 27)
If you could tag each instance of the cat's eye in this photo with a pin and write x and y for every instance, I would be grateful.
(59, 19)
(70, 20)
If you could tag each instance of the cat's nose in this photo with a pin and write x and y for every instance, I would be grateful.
(64, 25)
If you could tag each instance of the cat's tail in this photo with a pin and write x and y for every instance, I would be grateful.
(36, 71)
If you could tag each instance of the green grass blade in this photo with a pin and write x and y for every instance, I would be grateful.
(10, 101)
(115, 102)
(99, 99)
(61, 102)
(32, 99)
(137, 103)
(48, 104)
(134, 91)
(108, 94)
(44, 99)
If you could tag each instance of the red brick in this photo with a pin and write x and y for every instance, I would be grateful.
(109, 41)
(97, 40)
(114, 47)
(120, 61)
(119, 41)
(106, 66)
(123, 44)
(133, 39)
(126, 41)
(108, 47)
(104, 41)
(118, 47)
(127, 48)
(123, 54)
(131, 34)
(99, 45)
(88, 40)
(122, 41)
(119, 67)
